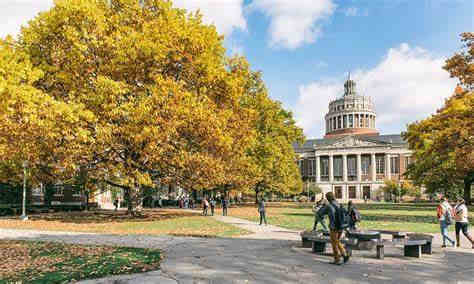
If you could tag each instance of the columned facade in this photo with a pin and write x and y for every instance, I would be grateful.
(352, 160)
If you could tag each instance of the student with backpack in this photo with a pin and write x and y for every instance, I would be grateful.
(354, 216)
(337, 223)
(445, 217)
(213, 206)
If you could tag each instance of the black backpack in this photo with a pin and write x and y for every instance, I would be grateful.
(355, 215)
(341, 217)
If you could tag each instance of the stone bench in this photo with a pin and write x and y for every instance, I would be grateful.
(318, 244)
(395, 234)
(426, 248)
(306, 235)
(411, 248)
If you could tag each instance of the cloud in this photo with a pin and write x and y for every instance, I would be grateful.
(226, 15)
(15, 13)
(294, 23)
(351, 11)
(407, 85)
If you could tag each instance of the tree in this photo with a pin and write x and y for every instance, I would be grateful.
(461, 65)
(273, 160)
(150, 97)
(35, 127)
(412, 190)
(443, 144)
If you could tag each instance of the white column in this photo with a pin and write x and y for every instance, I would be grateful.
(359, 167)
(344, 167)
(331, 170)
(318, 169)
(388, 172)
(374, 172)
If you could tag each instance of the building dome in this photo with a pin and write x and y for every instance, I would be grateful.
(351, 114)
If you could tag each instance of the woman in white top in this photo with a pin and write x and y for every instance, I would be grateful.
(462, 222)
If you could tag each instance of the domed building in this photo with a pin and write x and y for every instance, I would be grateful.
(353, 160)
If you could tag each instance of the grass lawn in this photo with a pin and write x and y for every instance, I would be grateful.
(386, 216)
(44, 262)
(152, 222)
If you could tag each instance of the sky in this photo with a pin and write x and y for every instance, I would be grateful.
(394, 49)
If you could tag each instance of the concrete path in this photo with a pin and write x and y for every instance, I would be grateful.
(270, 255)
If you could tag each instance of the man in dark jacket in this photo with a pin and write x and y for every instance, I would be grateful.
(225, 204)
(335, 232)
(261, 210)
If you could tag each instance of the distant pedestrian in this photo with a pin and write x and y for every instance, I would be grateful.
(366, 198)
(445, 217)
(116, 204)
(336, 226)
(261, 211)
(213, 206)
(462, 222)
(317, 217)
(354, 216)
(205, 206)
(191, 203)
(225, 204)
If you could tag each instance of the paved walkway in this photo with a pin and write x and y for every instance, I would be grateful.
(270, 255)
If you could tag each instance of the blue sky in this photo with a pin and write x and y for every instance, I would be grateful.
(394, 49)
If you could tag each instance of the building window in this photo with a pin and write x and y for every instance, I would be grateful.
(351, 121)
(395, 165)
(312, 167)
(366, 191)
(339, 122)
(407, 161)
(365, 161)
(351, 166)
(324, 166)
(338, 192)
(352, 192)
(337, 168)
(380, 164)
(344, 121)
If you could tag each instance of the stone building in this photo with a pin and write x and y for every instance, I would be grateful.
(353, 160)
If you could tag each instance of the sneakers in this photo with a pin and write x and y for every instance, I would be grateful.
(346, 258)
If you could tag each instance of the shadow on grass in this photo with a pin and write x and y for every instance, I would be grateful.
(103, 216)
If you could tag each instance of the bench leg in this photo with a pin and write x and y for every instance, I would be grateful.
(319, 247)
(426, 249)
(413, 251)
(380, 252)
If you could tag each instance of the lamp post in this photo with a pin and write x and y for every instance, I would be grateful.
(23, 215)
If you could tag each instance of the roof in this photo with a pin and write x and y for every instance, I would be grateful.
(394, 139)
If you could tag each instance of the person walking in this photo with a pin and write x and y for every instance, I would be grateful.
(317, 217)
(354, 216)
(445, 217)
(225, 204)
(213, 206)
(462, 222)
(205, 205)
(116, 204)
(334, 211)
(261, 211)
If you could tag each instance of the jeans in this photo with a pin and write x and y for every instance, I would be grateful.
(262, 217)
(444, 232)
(337, 247)
(224, 211)
(212, 210)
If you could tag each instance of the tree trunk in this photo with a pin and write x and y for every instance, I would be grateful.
(87, 200)
(467, 190)
(128, 198)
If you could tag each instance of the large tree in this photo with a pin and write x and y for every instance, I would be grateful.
(443, 144)
(148, 95)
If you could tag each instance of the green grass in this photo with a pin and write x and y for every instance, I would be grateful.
(45, 262)
(387, 216)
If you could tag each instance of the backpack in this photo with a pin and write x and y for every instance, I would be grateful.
(355, 215)
(341, 218)
(448, 217)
